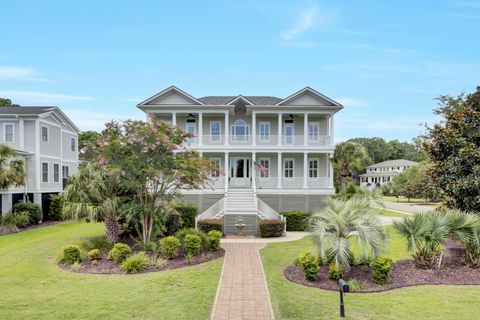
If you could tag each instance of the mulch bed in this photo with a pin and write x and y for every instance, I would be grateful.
(453, 272)
(105, 266)
(34, 226)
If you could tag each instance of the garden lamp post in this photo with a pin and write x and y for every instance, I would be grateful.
(342, 288)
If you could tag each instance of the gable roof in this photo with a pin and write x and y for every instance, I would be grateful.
(225, 100)
(37, 111)
(394, 163)
(312, 92)
(169, 90)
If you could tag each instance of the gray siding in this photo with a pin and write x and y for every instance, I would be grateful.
(16, 133)
(53, 146)
(67, 153)
(29, 136)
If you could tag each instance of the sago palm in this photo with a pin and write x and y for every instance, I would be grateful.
(12, 172)
(334, 225)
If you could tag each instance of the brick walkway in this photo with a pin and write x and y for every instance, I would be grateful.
(242, 291)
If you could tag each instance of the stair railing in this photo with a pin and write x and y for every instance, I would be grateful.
(216, 208)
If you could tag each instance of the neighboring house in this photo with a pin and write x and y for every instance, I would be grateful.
(383, 172)
(47, 140)
(273, 154)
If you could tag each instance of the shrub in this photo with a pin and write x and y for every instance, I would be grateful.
(184, 232)
(56, 207)
(309, 265)
(119, 252)
(17, 219)
(187, 215)
(381, 269)
(271, 228)
(34, 211)
(335, 271)
(355, 284)
(297, 220)
(189, 258)
(193, 244)
(211, 224)
(135, 263)
(214, 237)
(99, 243)
(71, 254)
(172, 223)
(168, 247)
(93, 254)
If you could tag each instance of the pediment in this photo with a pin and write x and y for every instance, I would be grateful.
(171, 96)
(308, 97)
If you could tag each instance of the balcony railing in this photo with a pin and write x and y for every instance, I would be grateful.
(262, 140)
(292, 183)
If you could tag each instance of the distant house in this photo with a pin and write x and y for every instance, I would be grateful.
(383, 172)
(47, 140)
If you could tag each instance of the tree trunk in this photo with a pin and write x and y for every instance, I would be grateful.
(344, 183)
(112, 230)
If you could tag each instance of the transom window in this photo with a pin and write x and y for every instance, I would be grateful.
(314, 131)
(288, 165)
(44, 171)
(264, 168)
(56, 172)
(264, 128)
(313, 168)
(240, 131)
(215, 131)
(44, 134)
(8, 133)
(216, 171)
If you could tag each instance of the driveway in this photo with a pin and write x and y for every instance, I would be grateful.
(407, 207)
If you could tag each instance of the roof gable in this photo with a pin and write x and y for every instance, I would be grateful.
(308, 97)
(171, 96)
(240, 98)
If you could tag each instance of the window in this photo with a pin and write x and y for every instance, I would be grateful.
(215, 131)
(288, 131)
(73, 144)
(240, 131)
(264, 168)
(45, 171)
(314, 131)
(65, 172)
(44, 134)
(56, 172)
(313, 168)
(288, 168)
(8, 133)
(216, 171)
(191, 126)
(264, 128)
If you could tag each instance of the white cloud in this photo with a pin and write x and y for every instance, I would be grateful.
(307, 19)
(36, 97)
(13, 72)
(93, 120)
(351, 102)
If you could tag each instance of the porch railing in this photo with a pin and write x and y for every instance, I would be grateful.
(265, 140)
(217, 208)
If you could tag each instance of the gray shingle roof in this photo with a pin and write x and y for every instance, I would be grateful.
(394, 163)
(257, 100)
(25, 110)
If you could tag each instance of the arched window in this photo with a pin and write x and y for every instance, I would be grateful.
(240, 131)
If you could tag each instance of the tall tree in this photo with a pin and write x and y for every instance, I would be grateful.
(349, 157)
(453, 146)
(12, 172)
(4, 102)
(376, 147)
(86, 143)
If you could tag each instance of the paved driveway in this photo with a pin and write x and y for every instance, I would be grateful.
(407, 207)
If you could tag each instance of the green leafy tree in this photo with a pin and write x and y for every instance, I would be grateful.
(380, 150)
(376, 147)
(12, 172)
(453, 146)
(86, 143)
(349, 157)
(7, 103)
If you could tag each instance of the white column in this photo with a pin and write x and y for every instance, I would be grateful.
(253, 172)
(227, 129)
(279, 134)
(174, 119)
(305, 170)
(200, 128)
(331, 131)
(21, 135)
(305, 129)
(279, 170)
(331, 170)
(227, 170)
(254, 128)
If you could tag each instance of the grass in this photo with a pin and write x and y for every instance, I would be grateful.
(294, 301)
(402, 199)
(33, 287)
(391, 213)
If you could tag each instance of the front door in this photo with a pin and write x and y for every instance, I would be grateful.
(240, 172)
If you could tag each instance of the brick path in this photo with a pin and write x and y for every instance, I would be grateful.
(242, 292)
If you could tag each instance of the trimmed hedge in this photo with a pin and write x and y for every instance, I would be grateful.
(210, 224)
(297, 220)
(119, 253)
(214, 236)
(381, 269)
(271, 228)
(187, 215)
(169, 246)
(34, 211)
(193, 244)
(71, 254)
(309, 265)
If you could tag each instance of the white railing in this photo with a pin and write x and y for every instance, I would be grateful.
(319, 183)
(211, 212)
(270, 140)
(268, 211)
(292, 183)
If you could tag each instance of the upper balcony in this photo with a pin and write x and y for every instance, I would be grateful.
(272, 140)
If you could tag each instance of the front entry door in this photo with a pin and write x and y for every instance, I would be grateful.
(240, 172)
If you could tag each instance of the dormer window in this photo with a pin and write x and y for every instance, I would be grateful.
(240, 131)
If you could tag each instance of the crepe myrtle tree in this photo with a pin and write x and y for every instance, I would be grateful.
(153, 165)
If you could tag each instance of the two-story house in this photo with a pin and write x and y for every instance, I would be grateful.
(273, 154)
(383, 172)
(47, 140)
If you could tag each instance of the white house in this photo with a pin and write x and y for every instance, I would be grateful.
(274, 153)
(47, 140)
(383, 172)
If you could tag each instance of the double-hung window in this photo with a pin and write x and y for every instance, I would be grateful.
(215, 131)
(288, 170)
(8, 133)
(313, 168)
(288, 131)
(216, 171)
(73, 144)
(264, 168)
(65, 172)
(44, 171)
(56, 172)
(264, 129)
(314, 131)
(44, 134)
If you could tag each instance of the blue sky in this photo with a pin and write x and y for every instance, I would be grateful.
(385, 61)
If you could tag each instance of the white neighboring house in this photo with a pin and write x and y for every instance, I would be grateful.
(273, 153)
(47, 140)
(380, 173)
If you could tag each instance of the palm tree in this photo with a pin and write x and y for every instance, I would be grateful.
(12, 172)
(350, 156)
(334, 225)
(93, 193)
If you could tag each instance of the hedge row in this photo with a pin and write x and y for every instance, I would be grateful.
(271, 228)
(297, 220)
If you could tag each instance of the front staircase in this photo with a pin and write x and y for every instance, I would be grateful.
(239, 202)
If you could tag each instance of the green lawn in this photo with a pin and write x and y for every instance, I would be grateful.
(419, 201)
(391, 213)
(33, 287)
(293, 301)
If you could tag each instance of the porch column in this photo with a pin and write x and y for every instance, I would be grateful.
(227, 170)
(253, 171)
(174, 119)
(305, 170)
(279, 170)
(279, 134)
(305, 129)
(254, 128)
(331, 128)
(227, 129)
(330, 173)
(200, 128)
